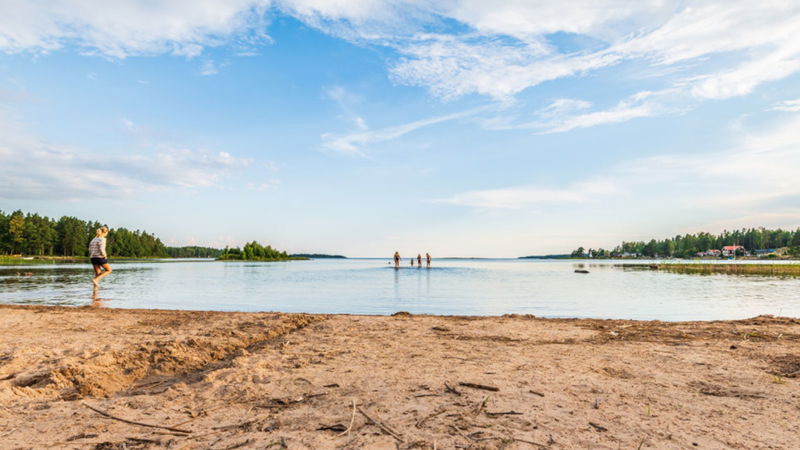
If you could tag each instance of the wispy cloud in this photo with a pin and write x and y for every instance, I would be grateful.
(754, 178)
(526, 196)
(209, 67)
(707, 50)
(354, 143)
(31, 167)
(563, 115)
(787, 106)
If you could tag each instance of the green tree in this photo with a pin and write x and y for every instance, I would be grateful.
(16, 229)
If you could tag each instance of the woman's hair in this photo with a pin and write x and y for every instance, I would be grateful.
(102, 231)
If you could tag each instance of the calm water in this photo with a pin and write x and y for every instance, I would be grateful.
(371, 286)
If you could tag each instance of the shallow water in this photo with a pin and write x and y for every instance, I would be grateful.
(371, 286)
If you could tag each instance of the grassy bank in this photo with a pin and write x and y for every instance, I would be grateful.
(28, 260)
(734, 269)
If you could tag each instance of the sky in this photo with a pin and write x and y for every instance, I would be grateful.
(361, 127)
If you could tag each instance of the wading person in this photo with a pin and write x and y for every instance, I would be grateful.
(97, 251)
(419, 260)
(396, 260)
(428, 259)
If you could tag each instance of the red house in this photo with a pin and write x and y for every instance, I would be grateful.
(730, 250)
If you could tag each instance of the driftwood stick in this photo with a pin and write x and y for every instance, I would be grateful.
(458, 430)
(481, 405)
(479, 386)
(103, 413)
(531, 443)
(430, 416)
(383, 427)
(450, 389)
(492, 438)
(352, 419)
(503, 413)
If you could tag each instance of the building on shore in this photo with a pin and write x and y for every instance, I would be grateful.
(731, 250)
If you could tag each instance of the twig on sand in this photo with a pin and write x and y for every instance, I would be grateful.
(536, 393)
(352, 419)
(598, 427)
(383, 427)
(144, 441)
(430, 416)
(479, 386)
(450, 389)
(531, 443)
(458, 430)
(239, 445)
(481, 405)
(503, 413)
(491, 438)
(103, 413)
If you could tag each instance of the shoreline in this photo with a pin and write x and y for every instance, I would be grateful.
(251, 380)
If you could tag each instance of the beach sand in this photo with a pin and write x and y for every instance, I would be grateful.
(269, 380)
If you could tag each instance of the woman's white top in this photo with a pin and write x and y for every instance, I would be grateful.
(97, 248)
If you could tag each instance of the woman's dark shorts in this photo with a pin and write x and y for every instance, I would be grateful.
(99, 261)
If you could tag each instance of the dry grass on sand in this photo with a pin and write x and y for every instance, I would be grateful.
(113, 379)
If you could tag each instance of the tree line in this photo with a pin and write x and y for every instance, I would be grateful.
(688, 245)
(35, 235)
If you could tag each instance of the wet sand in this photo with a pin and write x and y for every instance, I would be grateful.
(191, 379)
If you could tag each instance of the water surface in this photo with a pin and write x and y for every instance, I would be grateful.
(370, 286)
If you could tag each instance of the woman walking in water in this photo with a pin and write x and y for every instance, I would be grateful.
(97, 251)
(396, 260)
(419, 260)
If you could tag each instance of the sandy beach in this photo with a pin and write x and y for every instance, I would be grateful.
(113, 378)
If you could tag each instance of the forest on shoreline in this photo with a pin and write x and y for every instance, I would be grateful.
(31, 234)
(689, 245)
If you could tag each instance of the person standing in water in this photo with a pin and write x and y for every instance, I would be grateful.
(396, 260)
(412, 261)
(97, 251)
(419, 260)
(428, 259)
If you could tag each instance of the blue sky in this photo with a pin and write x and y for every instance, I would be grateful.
(363, 127)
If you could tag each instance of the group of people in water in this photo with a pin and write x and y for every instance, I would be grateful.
(397, 260)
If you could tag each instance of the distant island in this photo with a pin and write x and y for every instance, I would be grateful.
(253, 251)
(316, 256)
(562, 256)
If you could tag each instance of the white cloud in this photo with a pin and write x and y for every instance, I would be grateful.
(454, 66)
(460, 47)
(35, 168)
(128, 27)
(787, 106)
(523, 196)
(264, 186)
(720, 49)
(208, 68)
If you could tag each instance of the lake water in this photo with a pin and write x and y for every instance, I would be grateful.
(371, 286)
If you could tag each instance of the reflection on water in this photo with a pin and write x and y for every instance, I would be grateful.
(370, 286)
